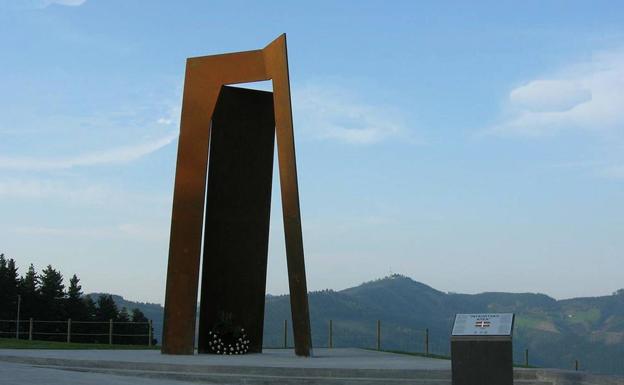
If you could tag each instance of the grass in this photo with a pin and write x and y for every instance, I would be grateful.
(529, 322)
(11, 343)
(588, 316)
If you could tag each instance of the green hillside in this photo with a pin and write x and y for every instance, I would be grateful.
(555, 332)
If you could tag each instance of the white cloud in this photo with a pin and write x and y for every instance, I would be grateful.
(614, 171)
(50, 189)
(117, 155)
(69, 3)
(99, 232)
(148, 232)
(585, 96)
(134, 231)
(328, 112)
(172, 116)
(77, 193)
(550, 95)
(37, 4)
(164, 121)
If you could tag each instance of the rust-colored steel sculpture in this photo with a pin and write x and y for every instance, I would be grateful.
(203, 81)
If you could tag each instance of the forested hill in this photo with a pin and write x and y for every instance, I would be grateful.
(555, 332)
(152, 311)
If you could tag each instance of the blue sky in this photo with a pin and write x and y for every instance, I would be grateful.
(472, 146)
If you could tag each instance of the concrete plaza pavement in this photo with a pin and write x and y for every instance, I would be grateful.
(274, 358)
(20, 374)
(273, 366)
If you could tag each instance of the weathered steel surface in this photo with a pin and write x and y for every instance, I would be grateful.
(204, 78)
(276, 57)
(238, 206)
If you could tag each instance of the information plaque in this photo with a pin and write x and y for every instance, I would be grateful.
(481, 349)
(493, 324)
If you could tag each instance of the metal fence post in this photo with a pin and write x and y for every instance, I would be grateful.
(427, 341)
(149, 333)
(576, 365)
(30, 329)
(378, 334)
(526, 357)
(331, 335)
(68, 330)
(110, 331)
(285, 334)
(19, 304)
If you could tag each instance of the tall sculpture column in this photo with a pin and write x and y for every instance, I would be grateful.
(238, 207)
(204, 79)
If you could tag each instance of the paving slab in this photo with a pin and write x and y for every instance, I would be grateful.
(272, 367)
(273, 358)
(20, 374)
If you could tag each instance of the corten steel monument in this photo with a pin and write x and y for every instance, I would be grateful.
(237, 128)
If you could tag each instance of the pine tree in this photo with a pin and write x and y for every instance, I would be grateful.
(29, 290)
(106, 309)
(141, 327)
(5, 301)
(75, 307)
(91, 311)
(138, 316)
(13, 277)
(91, 308)
(8, 288)
(123, 315)
(123, 327)
(52, 294)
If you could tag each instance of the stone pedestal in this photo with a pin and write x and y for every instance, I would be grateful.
(482, 360)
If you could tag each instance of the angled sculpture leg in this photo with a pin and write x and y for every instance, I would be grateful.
(277, 66)
(187, 218)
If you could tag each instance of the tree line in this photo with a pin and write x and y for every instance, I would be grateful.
(44, 297)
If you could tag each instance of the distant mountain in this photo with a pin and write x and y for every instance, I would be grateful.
(555, 332)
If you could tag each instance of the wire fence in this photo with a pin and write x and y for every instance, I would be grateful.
(99, 332)
(344, 334)
(377, 335)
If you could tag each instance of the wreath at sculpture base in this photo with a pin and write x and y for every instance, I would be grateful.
(225, 338)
